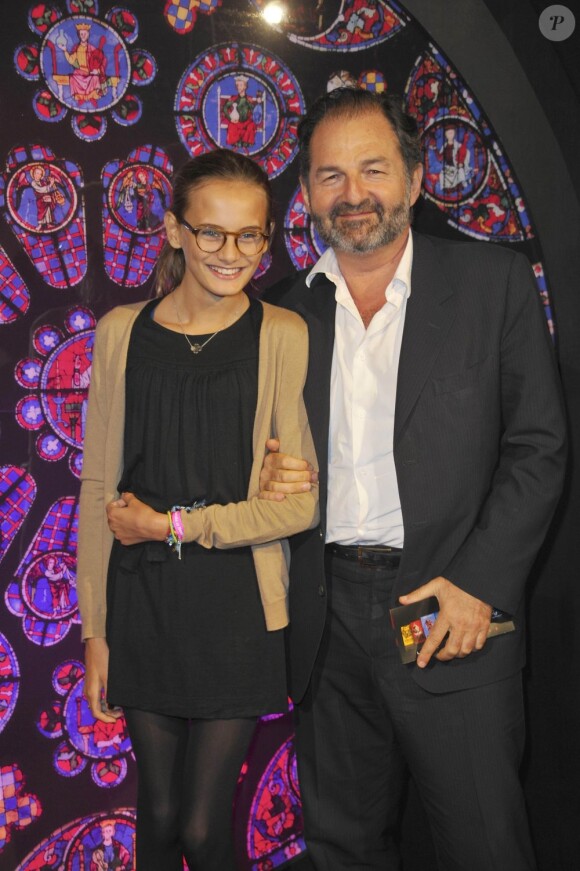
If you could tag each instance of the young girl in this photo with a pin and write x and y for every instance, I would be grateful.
(183, 612)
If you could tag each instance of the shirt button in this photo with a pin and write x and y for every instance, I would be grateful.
(320, 534)
(322, 590)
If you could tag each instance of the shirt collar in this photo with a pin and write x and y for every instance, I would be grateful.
(401, 282)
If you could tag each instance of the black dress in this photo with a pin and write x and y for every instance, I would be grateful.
(188, 638)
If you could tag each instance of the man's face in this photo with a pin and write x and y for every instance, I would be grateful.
(84, 35)
(358, 193)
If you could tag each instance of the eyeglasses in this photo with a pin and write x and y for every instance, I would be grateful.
(210, 240)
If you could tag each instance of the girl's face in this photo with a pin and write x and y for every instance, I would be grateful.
(218, 204)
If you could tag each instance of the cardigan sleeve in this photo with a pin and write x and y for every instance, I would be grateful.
(91, 569)
(102, 462)
(255, 521)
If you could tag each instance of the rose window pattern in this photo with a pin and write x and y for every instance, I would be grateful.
(136, 194)
(57, 378)
(14, 295)
(275, 827)
(42, 592)
(87, 66)
(340, 25)
(241, 97)
(92, 843)
(9, 681)
(17, 493)
(182, 15)
(41, 197)
(18, 808)
(466, 172)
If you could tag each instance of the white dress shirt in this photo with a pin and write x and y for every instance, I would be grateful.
(363, 495)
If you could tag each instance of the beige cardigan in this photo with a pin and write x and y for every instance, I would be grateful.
(280, 413)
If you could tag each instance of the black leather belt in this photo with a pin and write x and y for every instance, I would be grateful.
(367, 555)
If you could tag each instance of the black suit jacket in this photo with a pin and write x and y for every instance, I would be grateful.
(479, 444)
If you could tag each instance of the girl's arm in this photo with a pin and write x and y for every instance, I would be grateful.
(91, 560)
(253, 521)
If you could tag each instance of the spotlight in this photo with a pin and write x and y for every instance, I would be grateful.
(274, 12)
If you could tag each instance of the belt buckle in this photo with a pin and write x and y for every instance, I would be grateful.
(366, 562)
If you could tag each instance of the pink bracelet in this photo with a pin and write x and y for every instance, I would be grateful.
(177, 524)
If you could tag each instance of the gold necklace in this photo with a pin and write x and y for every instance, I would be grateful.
(196, 347)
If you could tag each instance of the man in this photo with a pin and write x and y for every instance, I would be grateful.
(434, 403)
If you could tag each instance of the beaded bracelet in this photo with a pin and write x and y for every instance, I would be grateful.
(176, 532)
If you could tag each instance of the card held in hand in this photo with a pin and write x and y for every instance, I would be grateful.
(413, 623)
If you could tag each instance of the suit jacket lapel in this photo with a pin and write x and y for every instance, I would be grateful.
(430, 313)
(317, 307)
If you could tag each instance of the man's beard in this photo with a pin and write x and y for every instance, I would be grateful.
(359, 237)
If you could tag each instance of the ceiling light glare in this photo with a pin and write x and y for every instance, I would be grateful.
(273, 13)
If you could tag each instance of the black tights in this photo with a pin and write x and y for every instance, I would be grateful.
(187, 770)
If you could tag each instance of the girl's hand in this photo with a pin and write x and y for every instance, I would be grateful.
(96, 668)
(133, 522)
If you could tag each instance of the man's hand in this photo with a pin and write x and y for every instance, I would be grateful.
(133, 522)
(464, 617)
(96, 668)
(282, 474)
